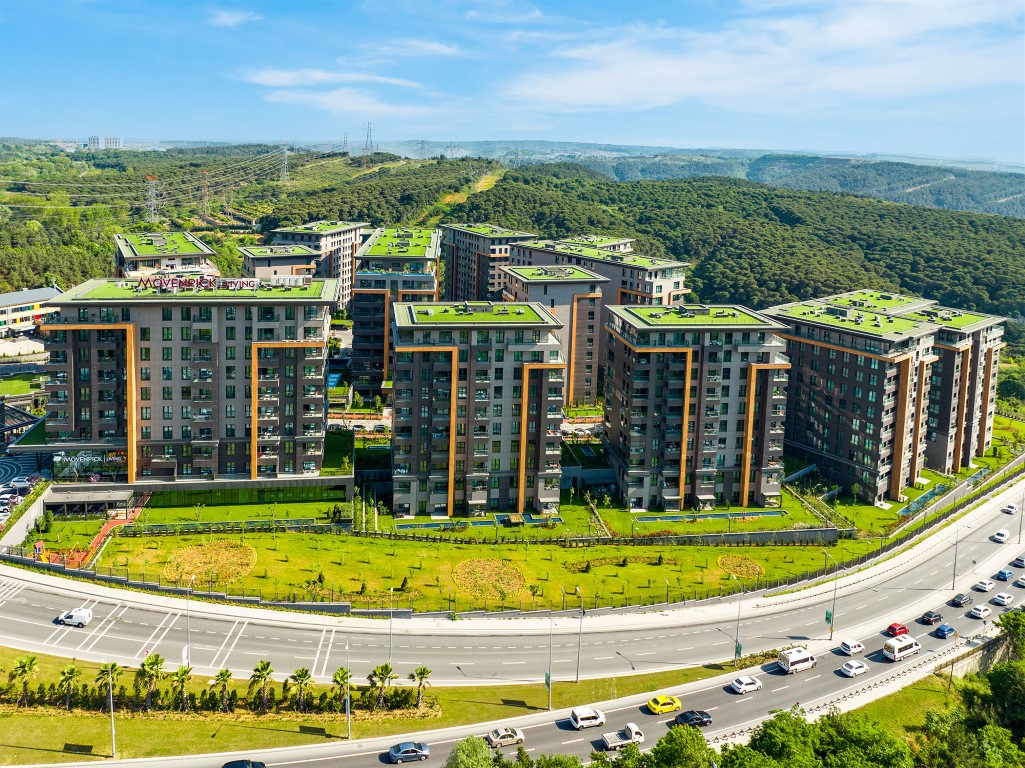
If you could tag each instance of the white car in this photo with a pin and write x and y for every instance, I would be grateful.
(1003, 598)
(1010, 509)
(852, 647)
(985, 585)
(746, 684)
(1020, 582)
(502, 736)
(586, 717)
(980, 612)
(1001, 536)
(854, 668)
(77, 617)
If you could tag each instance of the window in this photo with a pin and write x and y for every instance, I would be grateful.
(146, 413)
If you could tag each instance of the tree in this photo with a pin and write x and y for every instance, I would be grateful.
(1007, 682)
(1013, 625)
(107, 677)
(303, 683)
(378, 403)
(223, 679)
(25, 668)
(855, 491)
(66, 685)
(419, 676)
(382, 677)
(150, 672)
(261, 678)
(471, 752)
(357, 400)
(180, 680)
(340, 680)
(682, 747)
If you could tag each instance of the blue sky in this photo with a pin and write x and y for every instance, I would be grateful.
(932, 77)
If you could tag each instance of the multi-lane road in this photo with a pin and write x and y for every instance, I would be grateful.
(129, 625)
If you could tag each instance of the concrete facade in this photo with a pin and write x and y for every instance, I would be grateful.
(478, 396)
(473, 255)
(267, 261)
(337, 243)
(150, 254)
(695, 406)
(22, 311)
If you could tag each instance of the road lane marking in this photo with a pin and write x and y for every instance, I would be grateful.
(646, 653)
(148, 644)
(774, 690)
(814, 677)
(327, 653)
(507, 663)
(102, 626)
(231, 648)
(572, 741)
(320, 645)
(224, 642)
(688, 648)
(603, 658)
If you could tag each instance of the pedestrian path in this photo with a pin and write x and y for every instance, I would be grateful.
(76, 559)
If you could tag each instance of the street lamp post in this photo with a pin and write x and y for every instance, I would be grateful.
(580, 631)
(667, 589)
(188, 623)
(348, 714)
(836, 581)
(551, 631)
(736, 641)
(1021, 515)
(957, 540)
(564, 598)
(391, 618)
(110, 702)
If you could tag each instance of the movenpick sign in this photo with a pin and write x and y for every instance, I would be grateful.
(200, 283)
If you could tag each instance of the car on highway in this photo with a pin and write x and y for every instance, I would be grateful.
(931, 617)
(662, 704)
(696, 717)
(896, 630)
(854, 668)
(586, 717)
(501, 737)
(1020, 582)
(1005, 574)
(408, 751)
(944, 631)
(244, 764)
(77, 617)
(960, 600)
(746, 684)
(984, 585)
(1001, 536)
(980, 612)
(851, 647)
(1019, 561)
(1003, 598)
(1009, 509)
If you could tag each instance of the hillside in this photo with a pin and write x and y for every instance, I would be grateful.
(949, 188)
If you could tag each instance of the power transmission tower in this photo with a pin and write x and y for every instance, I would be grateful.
(345, 143)
(423, 148)
(206, 194)
(283, 176)
(368, 146)
(151, 198)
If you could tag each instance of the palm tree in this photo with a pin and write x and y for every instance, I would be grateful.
(419, 676)
(381, 678)
(223, 679)
(303, 682)
(262, 677)
(151, 671)
(25, 668)
(108, 676)
(180, 683)
(340, 680)
(66, 684)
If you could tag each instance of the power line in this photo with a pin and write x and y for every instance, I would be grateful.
(151, 199)
(283, 176)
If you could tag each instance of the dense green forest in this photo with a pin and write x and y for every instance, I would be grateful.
(928, 185)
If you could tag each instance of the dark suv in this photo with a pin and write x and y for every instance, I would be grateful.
(931, 617)
(961, 600)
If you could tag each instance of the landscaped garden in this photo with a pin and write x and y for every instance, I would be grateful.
(20, 384)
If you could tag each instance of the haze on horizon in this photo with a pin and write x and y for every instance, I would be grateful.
(938, 78)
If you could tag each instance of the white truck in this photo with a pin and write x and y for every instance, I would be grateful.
(619, 739)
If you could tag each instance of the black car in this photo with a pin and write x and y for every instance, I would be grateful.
(697, 717)
(931, 617)
(961, 600)
(244, 764)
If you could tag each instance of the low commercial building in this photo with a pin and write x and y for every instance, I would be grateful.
(267, 261)
(336, 242)
(695, 406)
(473, 255)
(22, 311)
(394, 264)
(191, 377)
(148, 254)
(574, 295)
(478, 395)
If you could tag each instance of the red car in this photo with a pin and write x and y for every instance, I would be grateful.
(896, 630)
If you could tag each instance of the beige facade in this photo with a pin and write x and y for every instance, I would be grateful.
(337, 243)
(150, 254)
(473, 255)
(267, 261)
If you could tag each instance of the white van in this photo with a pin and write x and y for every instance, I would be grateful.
(851, 647)
(796, 659)
(897, 648)
(78, 617)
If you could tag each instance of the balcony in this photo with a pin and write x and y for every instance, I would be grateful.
(264, 414)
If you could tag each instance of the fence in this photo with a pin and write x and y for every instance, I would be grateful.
(298, 525)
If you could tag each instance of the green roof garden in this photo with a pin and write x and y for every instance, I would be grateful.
(490, 230)
(402, 242)
(555, 273)
(590, 252)
(597, 240)
(165, 244)
(322, 227)
(128, 291)
(277, 250)
(852, 320)
(880, 300)
(953, 319)
(472, 313)
(693, 315)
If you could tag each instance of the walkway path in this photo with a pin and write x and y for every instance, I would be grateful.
(76, 559)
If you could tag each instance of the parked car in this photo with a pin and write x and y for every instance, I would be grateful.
(896, 630)
(408, 751)
(961, 600)
(980, 612)
(662, 704)
(500, 737)
(851, 647)
(695, 717)
(586, 717)
(1003, 598)
(1001, 536)
(1005, 574)
(944, 631)
(931, 617)
(984, 585)
(854, 668)
(746, 684)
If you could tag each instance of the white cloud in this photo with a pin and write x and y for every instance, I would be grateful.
(232, 19)
(280, 78)
(790, 58)
(504, 12)
(349, 101)
(413, 48)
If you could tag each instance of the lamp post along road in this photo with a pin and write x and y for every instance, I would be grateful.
(580, 632)
(188, 622)
(957, 540)
(348, 713)
(548, 674)
(391, 618)
(1021, 516)
(836, 580)
(736, 641)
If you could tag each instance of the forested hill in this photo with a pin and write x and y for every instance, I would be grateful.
(929, 185)
(760, 245)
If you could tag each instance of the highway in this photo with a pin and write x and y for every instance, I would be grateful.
(128, 625)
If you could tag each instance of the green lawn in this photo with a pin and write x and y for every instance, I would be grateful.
(868, 517)
(76, 534)
(575, 454)
(338, 446)
(580, 411)
(20, 384)
(476, 575)
(237, 512)
(574, 523)
(903, 712)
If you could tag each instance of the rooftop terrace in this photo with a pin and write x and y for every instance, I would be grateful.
(127, 291)
(692, 316)
(597, 240)
(876, 300)
(148, 244)
(473, 313)
(853, 320)
(490, 229)
(954, 319)
(322, 227)
(590, 252)
(270, 251)
(403, 242)
(555, 273)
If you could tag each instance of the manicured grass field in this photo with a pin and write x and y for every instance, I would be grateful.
(868, 517)
(903, 712)
(76, 534)
(286, 510)
(19, 384)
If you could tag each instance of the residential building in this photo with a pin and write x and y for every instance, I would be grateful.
(105, 142)
(22, 311)
(394, 264)
(336, 242)
(192, 377)
(604, 242)
(147, 254)
(574, 295)
(695, 406)
(267, 261)
(478, 395)
(859, 390)
(473, 255)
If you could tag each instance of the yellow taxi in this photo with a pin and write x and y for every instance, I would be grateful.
(662, 704)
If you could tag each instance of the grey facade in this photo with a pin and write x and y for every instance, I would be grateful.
(336, 242)
(473, 255)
